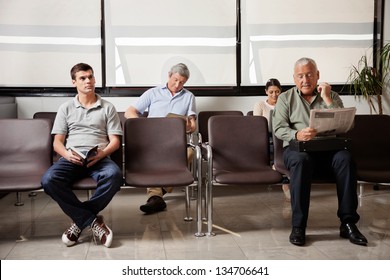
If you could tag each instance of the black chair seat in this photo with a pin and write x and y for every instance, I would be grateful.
(176, 178)
(256, 177)
(378, 176)
(21, 183)
(86, 183)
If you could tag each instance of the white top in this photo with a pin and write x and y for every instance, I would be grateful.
(263, 108)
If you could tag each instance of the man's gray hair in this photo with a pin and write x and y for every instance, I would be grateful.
(304, 61)
(181, 69)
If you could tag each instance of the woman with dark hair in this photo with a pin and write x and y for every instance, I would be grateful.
(264, 107)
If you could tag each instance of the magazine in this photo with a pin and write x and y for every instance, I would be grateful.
(84, 157)
(332, 121)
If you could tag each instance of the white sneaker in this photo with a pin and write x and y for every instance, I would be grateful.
(71, 235)
(101, 232)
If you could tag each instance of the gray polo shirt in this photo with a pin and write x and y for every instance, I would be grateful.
(292, 112)
(86, 128)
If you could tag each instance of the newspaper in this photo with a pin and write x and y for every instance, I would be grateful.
(332, 121)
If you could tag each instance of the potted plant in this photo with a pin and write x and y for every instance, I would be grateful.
(367, 82)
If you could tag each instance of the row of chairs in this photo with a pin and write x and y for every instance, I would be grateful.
(154, 155)
(234, 147)
(238, 154)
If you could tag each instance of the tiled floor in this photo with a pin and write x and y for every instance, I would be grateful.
(250, 223)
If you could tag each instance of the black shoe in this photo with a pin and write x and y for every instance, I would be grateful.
(350, 231)
(298, 236)
(285, 180)
(153, 205)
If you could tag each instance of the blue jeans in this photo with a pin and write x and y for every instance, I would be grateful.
(337, 166)
(58, 181)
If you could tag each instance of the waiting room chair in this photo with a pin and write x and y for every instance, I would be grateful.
(25, 154)
(203, 118)
(156, 156)
(203, 135)
(237, 154)
(371, 149)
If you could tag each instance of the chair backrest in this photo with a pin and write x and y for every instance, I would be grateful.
(50, 116)
(156, 152)
(46, 115)
(122, 118)
(240, 150)
(25, 152)
(8, 107)
(239, 142)
(250, 113)
(371, 145)
(203, 118)
(278, 156)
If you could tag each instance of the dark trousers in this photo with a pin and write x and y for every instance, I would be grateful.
(58, 181)
(337, 166)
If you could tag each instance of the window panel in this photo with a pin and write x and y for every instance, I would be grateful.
(142, 43)
(41, 40)
(276, 33)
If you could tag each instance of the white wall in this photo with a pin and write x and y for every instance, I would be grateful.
(27, 106)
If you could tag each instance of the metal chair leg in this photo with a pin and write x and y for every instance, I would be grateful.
(209, 193)
(188, 217)
(199, 232)
(19, 199)
(361, 190)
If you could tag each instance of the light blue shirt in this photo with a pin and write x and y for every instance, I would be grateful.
(158, 101)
